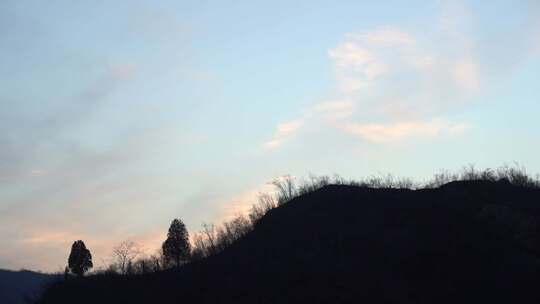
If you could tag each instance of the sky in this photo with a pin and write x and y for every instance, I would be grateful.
(118, 116)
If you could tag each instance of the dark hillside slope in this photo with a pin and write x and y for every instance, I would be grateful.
(18, 286)
(466, 242)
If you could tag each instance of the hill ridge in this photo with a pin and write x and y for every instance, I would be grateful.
(345, 244)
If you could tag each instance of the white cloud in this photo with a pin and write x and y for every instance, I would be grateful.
(391, 132)
(398, 83)
(422, 84)
(350, 54)
(387, 75)
(328, 110)
(384, 36)
(367, 55)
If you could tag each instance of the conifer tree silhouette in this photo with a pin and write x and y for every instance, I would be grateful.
(176, 247)
(80, 259)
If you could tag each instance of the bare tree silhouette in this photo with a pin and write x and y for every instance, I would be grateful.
(125, 253)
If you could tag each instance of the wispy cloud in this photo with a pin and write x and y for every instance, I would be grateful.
(398, 87)
(466, 74)
(387, 36)
(392, 132)
(330, 111)
(350, 54)
(363, 56)
(390, 89)
(283, 132)
(26, 137)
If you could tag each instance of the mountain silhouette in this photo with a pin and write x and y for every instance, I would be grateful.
(463, 242)
(20, 286)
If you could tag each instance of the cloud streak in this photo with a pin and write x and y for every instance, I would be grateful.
(283, 132)
(393, 132)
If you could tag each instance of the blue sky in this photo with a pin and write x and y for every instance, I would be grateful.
(117, 117)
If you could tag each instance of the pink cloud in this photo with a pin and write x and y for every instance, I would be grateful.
(284, 131)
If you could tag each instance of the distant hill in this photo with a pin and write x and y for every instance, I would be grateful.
(464, 242)
(15, 286)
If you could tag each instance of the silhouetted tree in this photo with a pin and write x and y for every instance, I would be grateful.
(157, 260)
(286, 189)
(265, 203)
(125, 253)
(80, 259)
(177, 247)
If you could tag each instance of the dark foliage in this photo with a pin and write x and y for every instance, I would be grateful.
(176, 247)
(472, 241)
(80, 259)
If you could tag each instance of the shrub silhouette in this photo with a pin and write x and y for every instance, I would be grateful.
(176, 247)
(80, 259)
